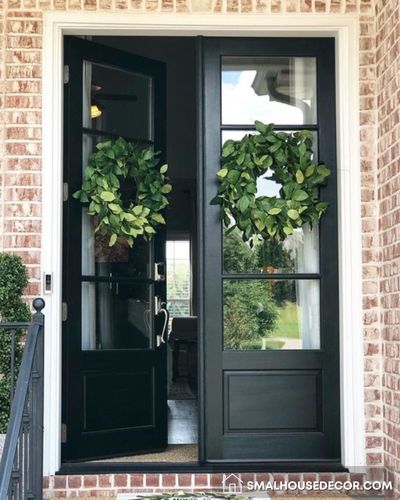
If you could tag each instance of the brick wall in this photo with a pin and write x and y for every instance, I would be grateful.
(388, 94)
(20, 165)
(109, 485)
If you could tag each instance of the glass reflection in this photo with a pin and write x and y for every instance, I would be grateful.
(271, 314)
(280, 90)
(120, 317)
(99, 259)
(298, 253)
(117, 101)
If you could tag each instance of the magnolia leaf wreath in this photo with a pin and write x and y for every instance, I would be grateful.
(135, 210)
(285, 158)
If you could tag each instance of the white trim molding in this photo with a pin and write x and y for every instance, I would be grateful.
(345, 30)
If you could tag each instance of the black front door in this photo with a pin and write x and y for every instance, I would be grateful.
(114, 362)
(271, 387)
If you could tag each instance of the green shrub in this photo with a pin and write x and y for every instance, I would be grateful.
(13, 280)
(250, 312)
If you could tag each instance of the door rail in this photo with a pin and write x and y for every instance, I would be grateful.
(21, 462)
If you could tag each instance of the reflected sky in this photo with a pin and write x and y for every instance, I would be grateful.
(241, 105)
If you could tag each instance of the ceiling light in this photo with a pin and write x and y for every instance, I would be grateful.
(95, 111)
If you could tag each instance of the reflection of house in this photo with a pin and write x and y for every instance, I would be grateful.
(102, 330)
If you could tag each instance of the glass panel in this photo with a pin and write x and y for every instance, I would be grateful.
(298, 253)
(178, 278)
(280, 90)
(271, 314)
(117, 101)
(116, 316)
(237, 135)
(98, 259)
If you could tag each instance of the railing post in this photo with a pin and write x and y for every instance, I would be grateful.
(37, 396)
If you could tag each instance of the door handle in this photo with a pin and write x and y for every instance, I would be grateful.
(161, 338)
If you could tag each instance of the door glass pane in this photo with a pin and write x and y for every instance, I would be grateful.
(117, 101)
(280, 90)
(116, 316)
(271, 314)
(98, 259)
(298, 253)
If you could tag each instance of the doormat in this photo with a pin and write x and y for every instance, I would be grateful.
(180, 389)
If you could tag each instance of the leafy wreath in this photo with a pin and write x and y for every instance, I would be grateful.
(125, 213)
(285, 158)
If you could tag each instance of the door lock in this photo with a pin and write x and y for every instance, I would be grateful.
(159, 271)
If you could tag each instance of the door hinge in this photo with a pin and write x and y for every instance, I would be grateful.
(66, 74)
(63, 433)
(64, 313)
(65, 191)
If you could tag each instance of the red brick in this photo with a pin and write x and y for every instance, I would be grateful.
(184, 479)
(216, 481)
(137, 480)
(152, 480)
(168, 480)
(74, 482)
(60, 482)
(121, 480)
(201, 480)
(105, 481)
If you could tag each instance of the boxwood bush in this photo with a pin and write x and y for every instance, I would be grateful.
(13, 280)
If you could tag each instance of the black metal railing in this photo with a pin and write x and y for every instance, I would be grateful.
(21, 466)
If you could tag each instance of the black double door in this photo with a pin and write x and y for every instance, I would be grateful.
(270, 314)
(267, 393)
(115, 372)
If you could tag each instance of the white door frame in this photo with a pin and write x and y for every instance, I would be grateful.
(345, 30)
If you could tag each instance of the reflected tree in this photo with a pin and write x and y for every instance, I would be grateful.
(250, 313)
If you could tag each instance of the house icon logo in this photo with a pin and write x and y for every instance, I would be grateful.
(232, 484)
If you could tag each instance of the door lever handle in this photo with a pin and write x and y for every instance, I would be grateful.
(161, 338)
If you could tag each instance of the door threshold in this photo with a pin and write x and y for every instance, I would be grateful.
(196, 467)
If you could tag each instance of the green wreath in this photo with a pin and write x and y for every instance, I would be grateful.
(136, 212)
(285, 158)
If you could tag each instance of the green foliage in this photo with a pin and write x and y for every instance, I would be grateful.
(268, 256)
(13, 280)
(250, 312)
(124, 209)
(288, 159)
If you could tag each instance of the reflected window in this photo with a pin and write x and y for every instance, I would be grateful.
(178, 278)
(280, 90)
